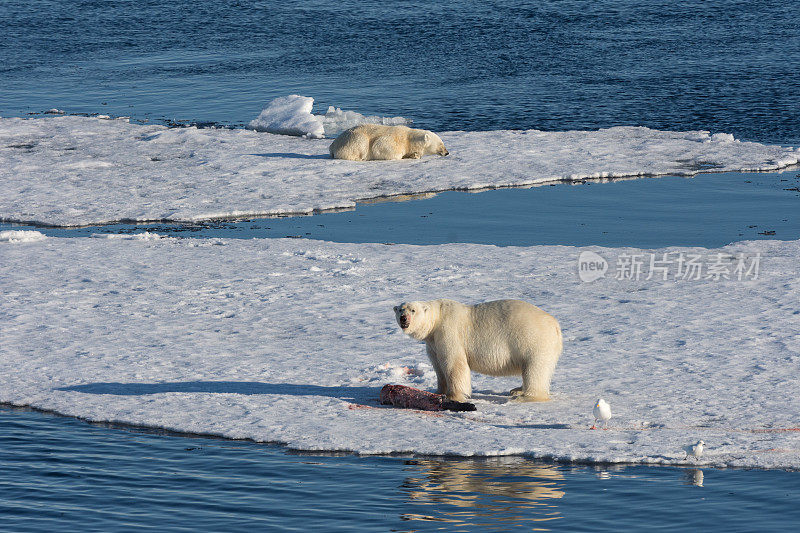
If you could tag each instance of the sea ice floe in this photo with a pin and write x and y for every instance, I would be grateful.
(112, 170)
(278, 340)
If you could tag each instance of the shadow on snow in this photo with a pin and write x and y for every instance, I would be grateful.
(287, 155)
(353, 394)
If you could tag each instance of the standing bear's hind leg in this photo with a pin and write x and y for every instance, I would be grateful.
(535, 382)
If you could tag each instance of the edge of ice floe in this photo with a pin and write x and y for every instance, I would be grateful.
(507, 452)
(238, 216)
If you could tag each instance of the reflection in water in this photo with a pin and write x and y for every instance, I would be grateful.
(431, 194)
(607, 471)
(694, 477)
(398, 198)
(496, 490)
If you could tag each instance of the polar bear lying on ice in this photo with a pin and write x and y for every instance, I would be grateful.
(375, 141)
(500, 338)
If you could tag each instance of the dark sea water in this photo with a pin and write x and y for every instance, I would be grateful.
(724, 66)
(60, 474)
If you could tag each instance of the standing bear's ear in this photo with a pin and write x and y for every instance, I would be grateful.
(426, 308)
(396, 308)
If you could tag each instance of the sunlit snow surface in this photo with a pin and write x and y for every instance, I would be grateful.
(70, 170)
(290, 341)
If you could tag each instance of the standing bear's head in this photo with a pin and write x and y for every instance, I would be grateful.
(416, 319)
(426, 142)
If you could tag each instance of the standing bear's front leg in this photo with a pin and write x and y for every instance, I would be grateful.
(441, 382)
(455, 369)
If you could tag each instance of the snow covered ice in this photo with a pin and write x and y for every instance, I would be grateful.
(112, 170)
(290, 341)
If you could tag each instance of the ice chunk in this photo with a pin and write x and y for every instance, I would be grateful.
(289, 115)
(21, 236)
(335, 120)
(722, 137)
(145, 236)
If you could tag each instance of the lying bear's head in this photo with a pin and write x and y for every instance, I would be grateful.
(427, 143)
(436, 145)
(414, 318)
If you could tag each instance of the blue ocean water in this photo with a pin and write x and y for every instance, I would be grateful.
(725, 66)
(61, 474)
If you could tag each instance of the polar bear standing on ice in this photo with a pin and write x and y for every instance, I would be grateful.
(500, 338)
(374, 141)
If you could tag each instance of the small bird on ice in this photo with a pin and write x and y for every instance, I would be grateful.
(695, 450)
(601, 411)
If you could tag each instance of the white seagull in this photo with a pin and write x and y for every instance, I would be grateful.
(601, 411)
(695, 450)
